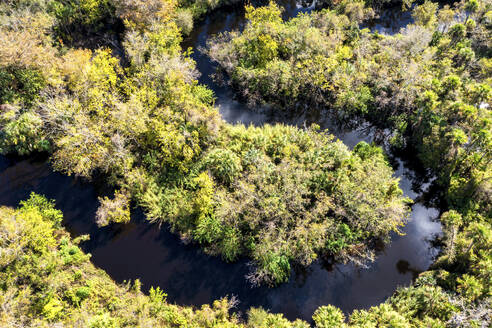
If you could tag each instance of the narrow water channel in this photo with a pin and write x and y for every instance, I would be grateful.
(189, 277)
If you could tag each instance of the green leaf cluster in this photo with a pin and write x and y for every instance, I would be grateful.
(279, 195)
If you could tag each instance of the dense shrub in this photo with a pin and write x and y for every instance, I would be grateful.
(277, 194)
(280, 195)
(47, 281)
(428, 87)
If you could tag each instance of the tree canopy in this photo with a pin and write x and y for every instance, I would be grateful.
(277, 194)
(46, 280)
(428, 88)
(105, 88)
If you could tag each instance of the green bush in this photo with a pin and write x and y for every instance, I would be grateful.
(328, 317)
(20, 85)
(224, 165)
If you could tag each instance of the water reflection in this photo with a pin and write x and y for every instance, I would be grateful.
(158, 258)
(390, 21)
(403, 267)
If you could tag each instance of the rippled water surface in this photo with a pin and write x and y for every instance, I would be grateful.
(158, 258)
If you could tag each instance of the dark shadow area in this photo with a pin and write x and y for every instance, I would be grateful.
(157, 257)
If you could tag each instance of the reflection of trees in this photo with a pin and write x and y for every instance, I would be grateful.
(404, 267)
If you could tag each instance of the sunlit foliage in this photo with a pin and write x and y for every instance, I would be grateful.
(46, 280)
(277, 194)
(124, 105)
(428, 87)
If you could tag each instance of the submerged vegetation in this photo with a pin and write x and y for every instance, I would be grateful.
(105, 88)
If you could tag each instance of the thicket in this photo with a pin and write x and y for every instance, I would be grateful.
(428, 88)
(46, 280)
(140, 120)
(279, 195)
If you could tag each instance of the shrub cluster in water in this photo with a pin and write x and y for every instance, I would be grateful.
(276, 194)
(47, 281)
(428, 87)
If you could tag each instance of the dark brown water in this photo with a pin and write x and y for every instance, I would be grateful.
(158, 258)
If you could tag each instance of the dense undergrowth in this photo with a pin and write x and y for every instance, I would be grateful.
(47, 281)
(136, 117)
(277, 194)
(428, 87)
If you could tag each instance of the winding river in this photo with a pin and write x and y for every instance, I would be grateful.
(158, 258)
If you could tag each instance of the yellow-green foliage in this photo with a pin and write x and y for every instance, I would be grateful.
(277, 194)
(303, 59)
(47, 281)
(428, 84)
(113, 210)
(291, 195)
